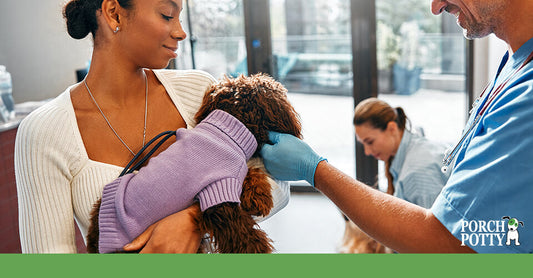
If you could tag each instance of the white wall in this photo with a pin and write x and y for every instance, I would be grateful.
(487, 54)
(497, 49)
(38, 52)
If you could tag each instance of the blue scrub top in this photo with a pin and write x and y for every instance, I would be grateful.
(493, 173)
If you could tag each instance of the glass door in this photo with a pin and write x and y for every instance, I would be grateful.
(422, 64)
(312, 57)
(216, 40)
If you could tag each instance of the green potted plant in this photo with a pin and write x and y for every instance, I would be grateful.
(388, 53)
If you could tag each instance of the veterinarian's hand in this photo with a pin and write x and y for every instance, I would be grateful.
(290, 158)
(177, 233)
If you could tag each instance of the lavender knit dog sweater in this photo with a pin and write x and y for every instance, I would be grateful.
(207, 162)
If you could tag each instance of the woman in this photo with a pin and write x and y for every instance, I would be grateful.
(67, 150)
(412, 163)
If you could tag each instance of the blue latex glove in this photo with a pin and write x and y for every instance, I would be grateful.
(290, 158)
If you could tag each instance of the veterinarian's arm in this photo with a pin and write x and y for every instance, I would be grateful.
(177, 233)
(396, 223)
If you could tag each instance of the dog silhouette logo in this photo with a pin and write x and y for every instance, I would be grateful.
(512, 230)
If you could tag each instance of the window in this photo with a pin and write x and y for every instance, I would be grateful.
(312, 52)
(421, 62)
(216, 31)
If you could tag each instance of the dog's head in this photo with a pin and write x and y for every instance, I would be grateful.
(512, 224)
(258, 101)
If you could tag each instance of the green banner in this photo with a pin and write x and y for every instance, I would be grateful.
(274, 265)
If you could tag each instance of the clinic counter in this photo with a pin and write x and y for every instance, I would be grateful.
(8, 191)
(21, 110)
(13, 124)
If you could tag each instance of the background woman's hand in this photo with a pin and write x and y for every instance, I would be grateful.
(176, 233)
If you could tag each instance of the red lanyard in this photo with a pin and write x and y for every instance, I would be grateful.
(499, 89)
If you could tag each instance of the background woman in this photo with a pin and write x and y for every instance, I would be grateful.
(412, 162)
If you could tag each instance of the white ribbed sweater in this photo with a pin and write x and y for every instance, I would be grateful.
(57, 183)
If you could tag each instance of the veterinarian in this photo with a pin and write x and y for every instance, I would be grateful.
(67, 150)
(491, 174)
(412, 162)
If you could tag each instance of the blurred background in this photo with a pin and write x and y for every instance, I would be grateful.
(329, 54)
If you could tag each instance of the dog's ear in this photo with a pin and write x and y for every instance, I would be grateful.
(281, 116)
(277, 112)
(258, 101)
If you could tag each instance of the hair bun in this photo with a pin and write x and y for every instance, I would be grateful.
(78, 25)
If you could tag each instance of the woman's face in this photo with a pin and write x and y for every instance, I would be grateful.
(381, 144)
(149, 35)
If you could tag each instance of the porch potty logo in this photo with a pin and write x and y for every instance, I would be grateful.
(490, 233)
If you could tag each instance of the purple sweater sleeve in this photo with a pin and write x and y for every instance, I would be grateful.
(207, 162)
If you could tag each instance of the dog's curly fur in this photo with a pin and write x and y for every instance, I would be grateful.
(261, 104)
(93, 233)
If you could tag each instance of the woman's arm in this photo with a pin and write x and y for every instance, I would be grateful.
(46, 220)
(398, 224)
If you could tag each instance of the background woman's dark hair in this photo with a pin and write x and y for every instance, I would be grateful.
(81, 16)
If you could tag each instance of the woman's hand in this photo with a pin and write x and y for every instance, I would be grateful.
(176, 233)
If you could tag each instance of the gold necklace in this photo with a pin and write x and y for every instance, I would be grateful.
(109, 124)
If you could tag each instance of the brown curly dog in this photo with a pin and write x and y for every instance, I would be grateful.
(261, 104)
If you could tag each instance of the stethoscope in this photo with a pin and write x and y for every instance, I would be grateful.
(452, 152)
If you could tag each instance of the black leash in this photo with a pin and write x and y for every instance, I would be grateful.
(138, 165)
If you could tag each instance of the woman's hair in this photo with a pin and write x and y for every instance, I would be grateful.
(81, 16)
(378, 114)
